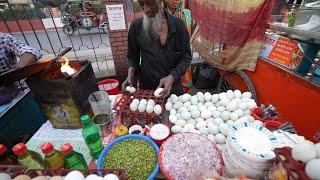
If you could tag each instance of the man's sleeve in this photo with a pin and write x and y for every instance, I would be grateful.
(186, 58)
(133, 47)
(19, 48)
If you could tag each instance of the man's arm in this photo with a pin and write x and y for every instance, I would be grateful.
(27, 54)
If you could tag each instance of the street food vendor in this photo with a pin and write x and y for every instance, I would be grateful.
(162, 42)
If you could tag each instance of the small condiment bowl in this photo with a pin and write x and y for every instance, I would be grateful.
(134, 128)
(159, 129)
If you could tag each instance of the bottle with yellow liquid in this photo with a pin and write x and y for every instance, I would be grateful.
(53, 158)
(27, 158)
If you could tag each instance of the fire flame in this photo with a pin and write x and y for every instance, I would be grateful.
(65, 68)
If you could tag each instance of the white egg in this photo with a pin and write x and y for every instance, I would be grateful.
(234, 116)
(184, 130)
(206, 114)
(229, 94)
(216, 114)
(174, 98)
(242, 119)
(168, 106)
(152, 103)
(224, 102)
(209, 120)
(157, 109)
(144, 102)
(194, 100)
(201, 124)
(232, 106)
(245, 100)
(195, 131)
(133, 106)
(225, 115)
(213, 129)
(200, 97)
(236, 100)
(214, 98)
(221, 108)
(185, 115)
(132, 90)
(237, 94)
(189, 126)
(239, 112)
(247, 112)
(183, 109)
(303, 152)
(218, 121)
(74, 175)
(94, 177)
(176, 129)
(217, 104)
(199, 119)
(5, 176)
(177, 105)
(181, 122)
(224, 129)
(246, 95)
(157, 92)
(207, 96)
(220, 138)
(187, 104)
(173, 119)
(317, 147)
(211, 138)
(251, 105)
(204, 130)
(136, 101)
(208, 104)
(192, 108)
(192, 121)
(195, 114)
(178, 115)
(250, 118)
(111, 177)
(230, 123)
(258, 122)
(212, 108)
(128, 88)
(141, 107)
(242, 106)
(312, 169)
(185, 97)
(202, 108)
(149, 108)
(222, 95)
(173, 112)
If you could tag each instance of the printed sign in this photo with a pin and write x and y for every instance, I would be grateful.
(116, 17)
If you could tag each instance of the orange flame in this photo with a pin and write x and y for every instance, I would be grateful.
(65, 68)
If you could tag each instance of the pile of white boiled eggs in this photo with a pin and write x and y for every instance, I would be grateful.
(145, 106)
(209, 114)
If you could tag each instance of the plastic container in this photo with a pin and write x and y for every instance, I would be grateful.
(100, 103)
(26, 157)
(131, 136)
(111, 86)
(53, 159)
(91, 136)
(73, 159)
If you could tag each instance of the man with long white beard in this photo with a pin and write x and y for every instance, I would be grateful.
(158, 49)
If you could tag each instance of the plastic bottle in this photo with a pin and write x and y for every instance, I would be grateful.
(5, 157)
(53, 159)
(91, 136)
(26, 157)
(73, 159)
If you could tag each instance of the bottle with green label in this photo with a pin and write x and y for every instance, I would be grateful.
(27, 158)
(73, 159)
(91, 136)
(53, 159)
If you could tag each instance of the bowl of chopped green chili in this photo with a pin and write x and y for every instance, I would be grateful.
(133, 153)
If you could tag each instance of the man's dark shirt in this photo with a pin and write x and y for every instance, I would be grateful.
(159, 61)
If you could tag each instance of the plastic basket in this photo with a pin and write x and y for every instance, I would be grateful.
(111, 86)
(166, 174)
(255, 112)
(131, 136)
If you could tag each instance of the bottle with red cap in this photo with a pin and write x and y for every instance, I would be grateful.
(73, 159)
(53, 159)
(5, 157)
(26, 157)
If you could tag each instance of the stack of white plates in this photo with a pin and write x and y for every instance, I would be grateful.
(249, 147)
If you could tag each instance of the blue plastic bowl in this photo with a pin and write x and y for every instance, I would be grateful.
(130, 136)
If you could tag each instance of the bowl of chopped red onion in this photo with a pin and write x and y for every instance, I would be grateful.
(188, 156)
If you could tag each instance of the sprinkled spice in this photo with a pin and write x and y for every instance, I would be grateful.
(136, 157)
(190, 156)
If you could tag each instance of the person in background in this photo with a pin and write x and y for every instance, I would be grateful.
(162, 42)
(15, 54)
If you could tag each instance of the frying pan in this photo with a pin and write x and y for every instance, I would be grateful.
(14, 75)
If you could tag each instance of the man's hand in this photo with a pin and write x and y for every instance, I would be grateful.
(166, 83)
(131, 80)
(26, 59)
